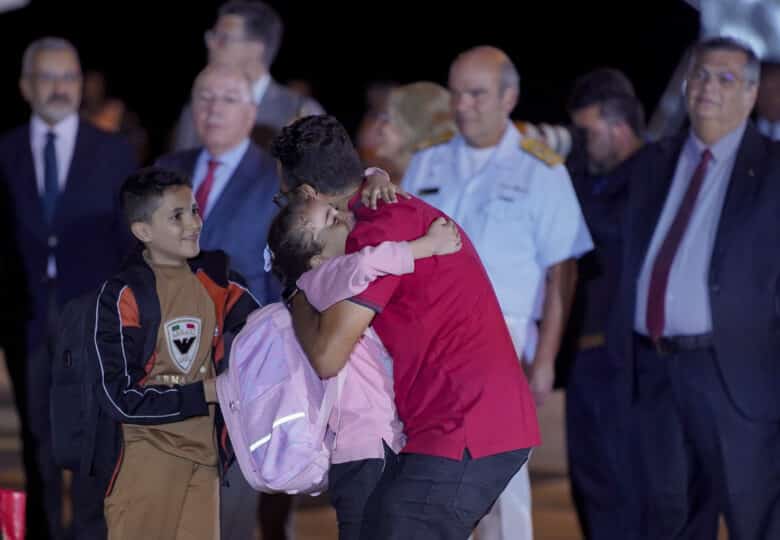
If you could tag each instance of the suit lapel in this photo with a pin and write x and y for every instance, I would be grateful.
(746, 177)
(248, 172)
(654, 188)
(28, 186)
(78, 179)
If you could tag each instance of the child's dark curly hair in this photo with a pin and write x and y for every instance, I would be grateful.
(292, 245)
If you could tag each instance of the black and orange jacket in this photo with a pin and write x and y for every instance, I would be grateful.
(125, 336)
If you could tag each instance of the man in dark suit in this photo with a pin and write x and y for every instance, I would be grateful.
(247, 36)
(603, 106)
(63, 179)
(234, 182)
(699, 310)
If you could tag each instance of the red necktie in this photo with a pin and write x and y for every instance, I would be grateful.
(202, 195)
(656, 295)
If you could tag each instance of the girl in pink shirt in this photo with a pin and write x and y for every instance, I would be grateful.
(307, 241)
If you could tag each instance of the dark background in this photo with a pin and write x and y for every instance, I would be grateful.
(151, 50)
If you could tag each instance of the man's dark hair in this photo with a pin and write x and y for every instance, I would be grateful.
(291, 244)
(141, 191)
(317, 150)
(725, 43)
(597, 85)
(261, 23)
(613, 92)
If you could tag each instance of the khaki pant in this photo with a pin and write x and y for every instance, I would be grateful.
(157, 496)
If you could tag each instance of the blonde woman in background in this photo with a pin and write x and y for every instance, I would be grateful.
(416, 116)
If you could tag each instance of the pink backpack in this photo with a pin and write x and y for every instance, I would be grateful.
(276, 407)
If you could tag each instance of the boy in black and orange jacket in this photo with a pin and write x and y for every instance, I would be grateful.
(160, 340)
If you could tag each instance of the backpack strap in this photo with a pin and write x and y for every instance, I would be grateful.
(332, 396)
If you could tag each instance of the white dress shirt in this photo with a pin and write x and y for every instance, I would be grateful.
(687, 304)
(64, 144)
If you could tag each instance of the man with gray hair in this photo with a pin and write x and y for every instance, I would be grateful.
(513, 197)
(63, 178)
(247, 36)
(697, 316)
(234, 183)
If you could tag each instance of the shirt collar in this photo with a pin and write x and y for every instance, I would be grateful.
(723, 149)
(507, 146)
(66, 128)
(231, 158)
(260, 87)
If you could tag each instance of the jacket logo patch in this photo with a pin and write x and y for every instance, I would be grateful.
(183, 338)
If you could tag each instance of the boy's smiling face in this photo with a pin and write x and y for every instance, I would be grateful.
(172, 235)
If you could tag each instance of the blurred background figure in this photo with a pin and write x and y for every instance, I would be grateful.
(247, 36)
(416, 116)
(111, 114)
(768, 101)
(234, 182)
(367, 135)
(301, 87)
(63, 177)
(609, 122)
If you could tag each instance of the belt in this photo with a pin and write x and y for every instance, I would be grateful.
(675, 344)
(590, 341)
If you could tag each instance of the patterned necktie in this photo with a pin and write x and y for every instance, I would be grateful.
(202, 195)
(656, 296)
(51, 183)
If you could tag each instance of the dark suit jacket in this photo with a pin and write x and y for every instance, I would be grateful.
(88, 234)
(239, 221)
(744, 273)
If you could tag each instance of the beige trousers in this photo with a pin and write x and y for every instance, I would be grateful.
(157, 496)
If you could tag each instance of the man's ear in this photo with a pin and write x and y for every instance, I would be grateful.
(509, 99)
(315, 261)
(142, 231)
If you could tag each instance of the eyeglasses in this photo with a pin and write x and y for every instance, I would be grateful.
(70, 78)
(206, 98)
(281, 199)
(724, 79)
(222, 38)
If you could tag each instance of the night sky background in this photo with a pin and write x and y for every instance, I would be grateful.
(151, 50)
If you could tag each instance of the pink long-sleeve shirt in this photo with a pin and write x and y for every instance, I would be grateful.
(365, 414)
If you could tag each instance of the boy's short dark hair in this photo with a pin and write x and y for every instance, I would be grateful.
(291, 245)
(141, 191)
(317, 150)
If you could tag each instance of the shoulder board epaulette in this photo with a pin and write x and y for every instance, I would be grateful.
(541, 151)
(440, 138)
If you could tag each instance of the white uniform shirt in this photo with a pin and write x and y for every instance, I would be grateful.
(521, 214)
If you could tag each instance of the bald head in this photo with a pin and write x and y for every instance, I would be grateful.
(495, 59)
(223, 71)
(223, 107)
(484, 84)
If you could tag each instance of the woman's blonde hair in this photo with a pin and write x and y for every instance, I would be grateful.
(422, 111)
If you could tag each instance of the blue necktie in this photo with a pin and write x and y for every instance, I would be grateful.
(51, 183)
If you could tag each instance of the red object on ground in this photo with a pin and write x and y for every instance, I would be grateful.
(12, 514)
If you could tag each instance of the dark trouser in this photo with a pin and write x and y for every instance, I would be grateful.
(237, 506)
(422, 497)
(14, 346)
(349, 487)
(275, 516)
(597, 430)
(39, 373)
(239, 510)
(89, 522)
(701, 456)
